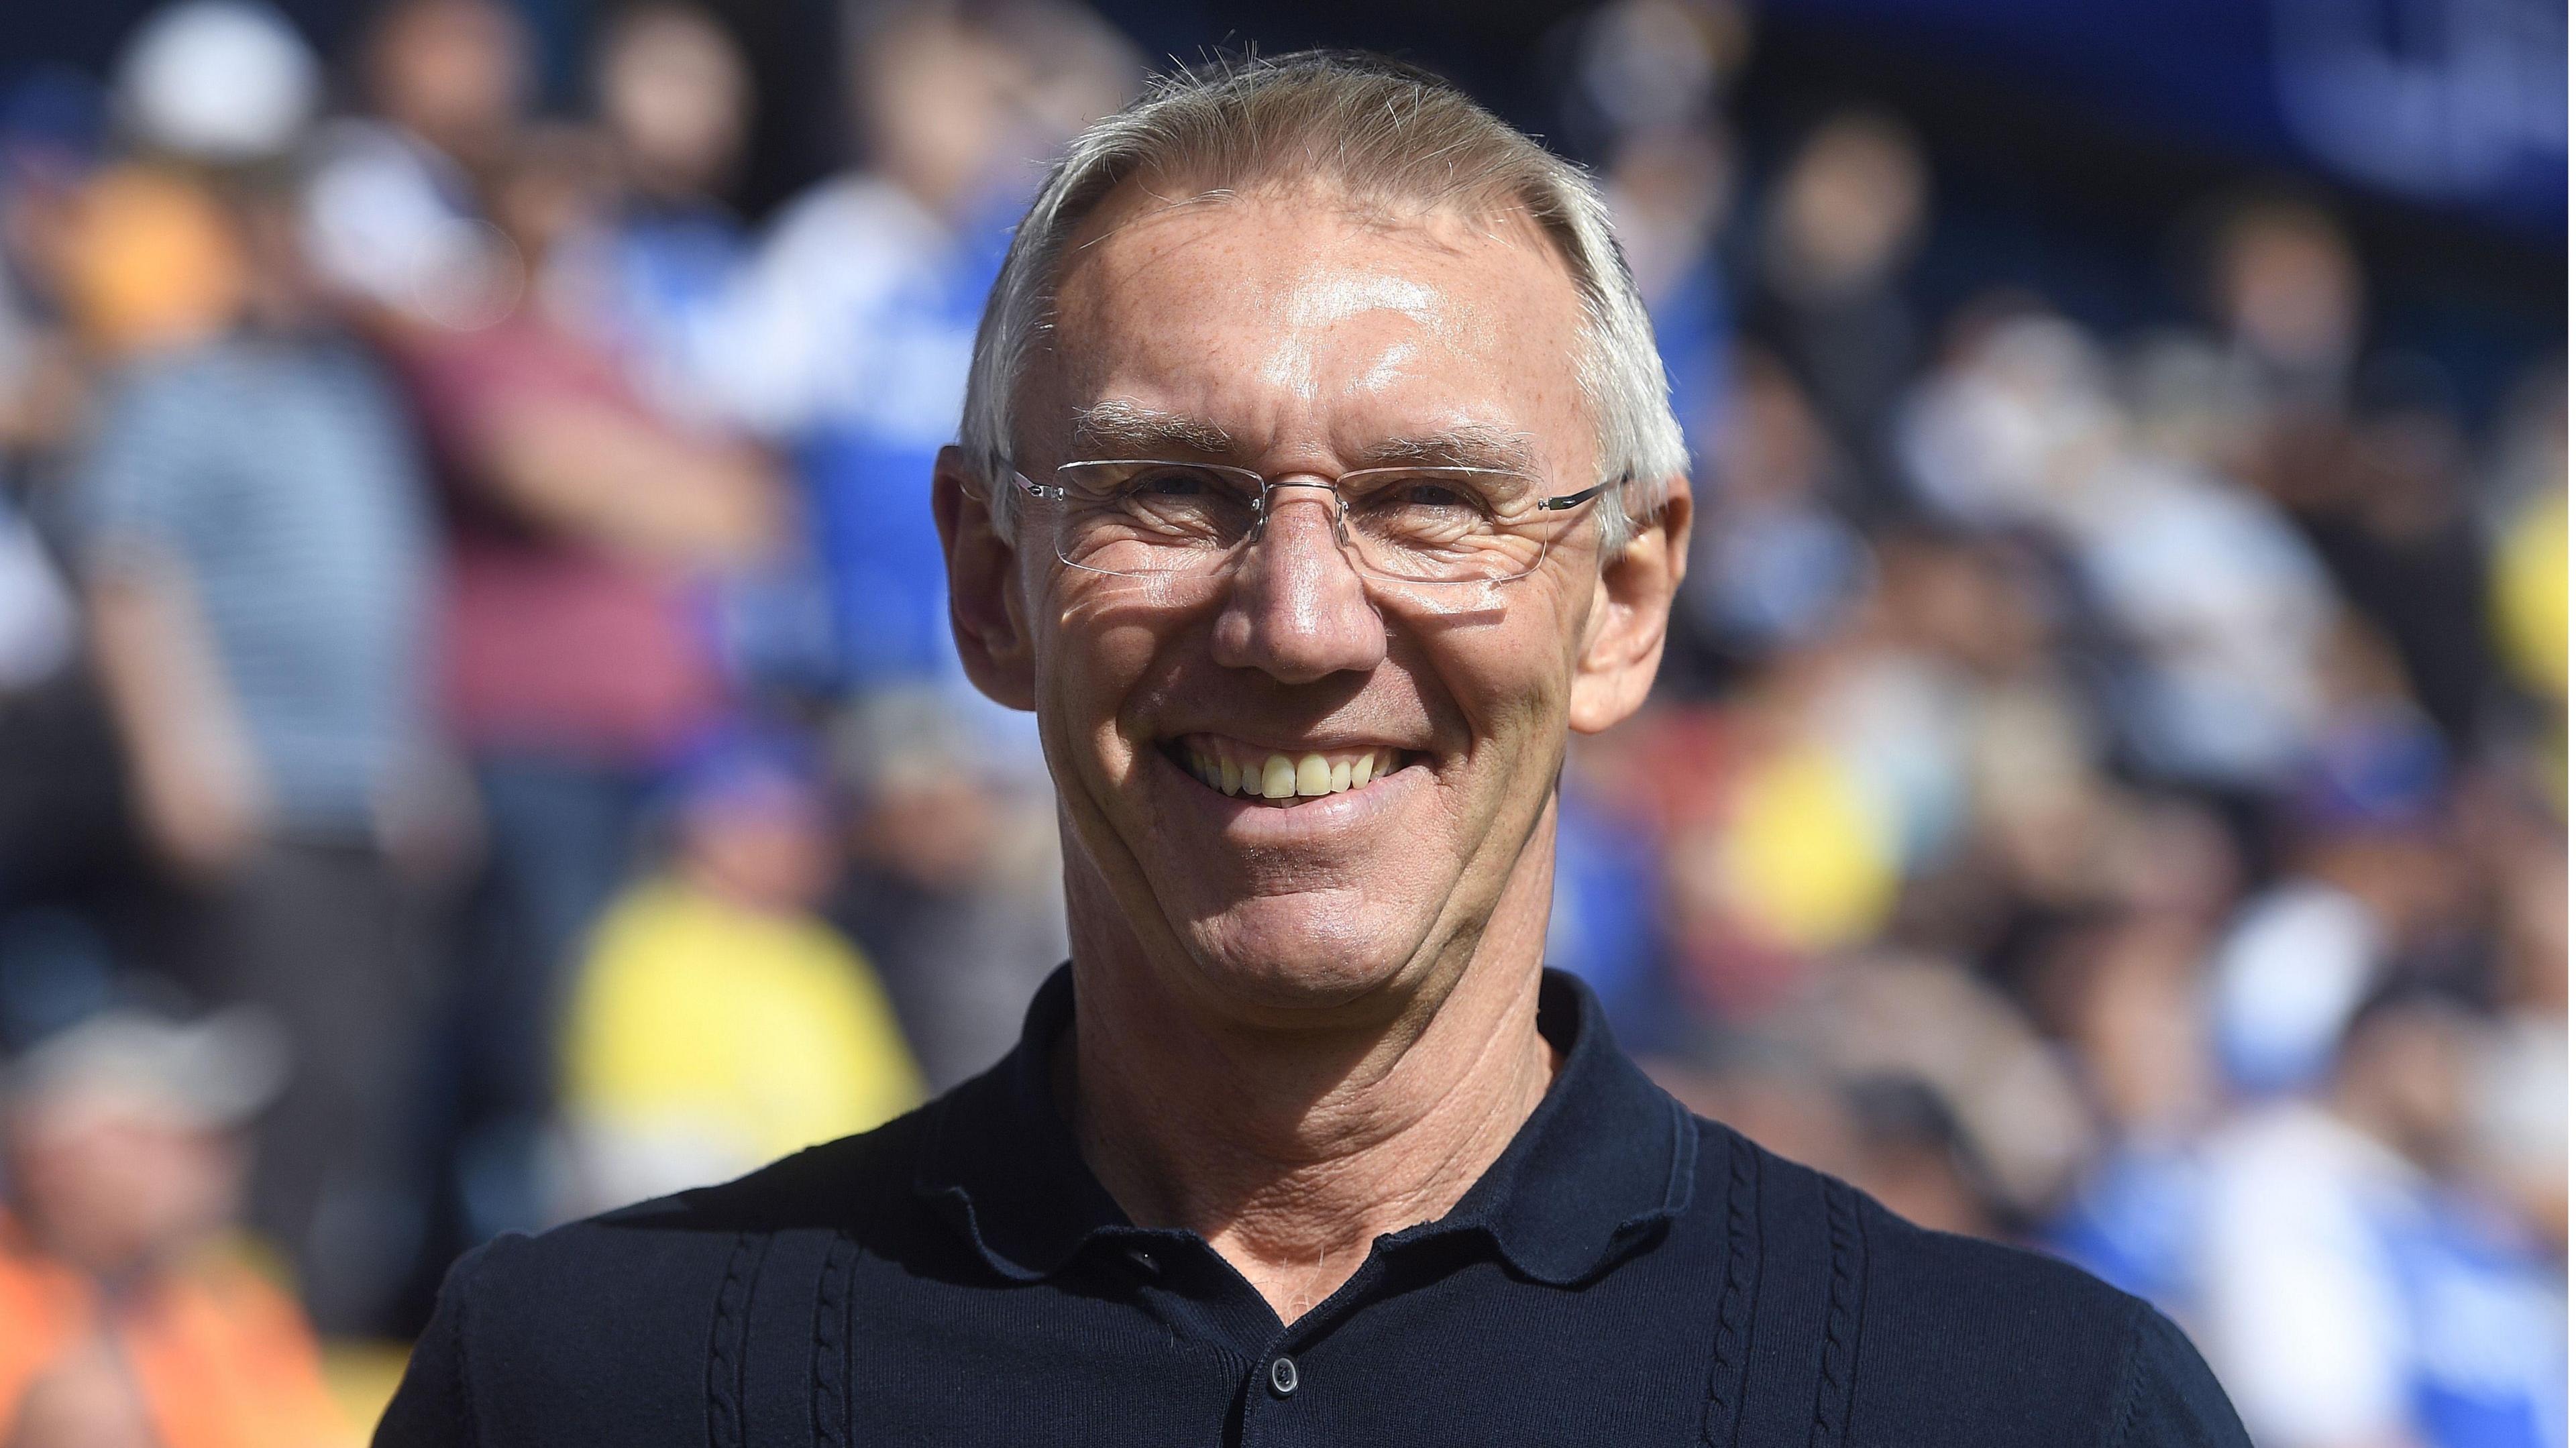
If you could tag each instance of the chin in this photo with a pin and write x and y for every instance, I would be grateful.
(1286, 953)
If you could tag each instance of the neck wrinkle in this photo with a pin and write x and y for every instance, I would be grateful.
(1291, 1152)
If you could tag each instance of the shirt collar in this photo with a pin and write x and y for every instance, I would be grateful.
(1604, 1160)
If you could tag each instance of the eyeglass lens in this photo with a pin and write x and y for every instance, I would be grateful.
(1412, 525)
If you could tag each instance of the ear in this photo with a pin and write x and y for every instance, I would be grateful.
(984, 608)
(1624, 641)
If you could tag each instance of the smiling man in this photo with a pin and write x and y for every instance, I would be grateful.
(1316, 479)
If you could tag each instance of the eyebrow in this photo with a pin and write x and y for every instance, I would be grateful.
(1119, 428)
(1127, 429)
(1467, 445)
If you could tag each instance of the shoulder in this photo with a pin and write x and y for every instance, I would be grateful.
(651, 1247)
(609, 1329)
(1797, 1211)
(1966, 1340)
(160, 420)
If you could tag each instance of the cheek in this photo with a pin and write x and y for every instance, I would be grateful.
(1100, 659)
(1512, 681)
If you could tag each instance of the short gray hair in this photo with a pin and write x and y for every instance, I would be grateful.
(1386, 134)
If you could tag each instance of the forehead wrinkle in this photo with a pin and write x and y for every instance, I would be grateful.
(1451, 226)
(1119, 427)
(1312, 347)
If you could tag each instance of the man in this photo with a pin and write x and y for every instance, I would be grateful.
(252, 539)
(127, 1313)
(391, 218)
(718, 1021)
(1302, 1146)
(2353, 1293)
(649, 279)
(586, 532)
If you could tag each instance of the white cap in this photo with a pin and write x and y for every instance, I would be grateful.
(215, 1073)
(218, 80)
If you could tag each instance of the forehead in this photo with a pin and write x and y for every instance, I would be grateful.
(1302, 325)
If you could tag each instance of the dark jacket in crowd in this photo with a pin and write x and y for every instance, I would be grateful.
(1625, 1274)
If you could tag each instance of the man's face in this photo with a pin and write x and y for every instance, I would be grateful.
(1297, 337)
(107, 1183)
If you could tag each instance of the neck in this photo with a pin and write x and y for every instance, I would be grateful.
(1291, 1150)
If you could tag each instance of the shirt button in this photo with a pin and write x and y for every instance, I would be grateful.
(1283, 1376)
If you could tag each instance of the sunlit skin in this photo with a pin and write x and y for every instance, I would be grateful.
(1298, 1028)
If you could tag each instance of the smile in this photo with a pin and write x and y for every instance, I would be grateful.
(1232, 767)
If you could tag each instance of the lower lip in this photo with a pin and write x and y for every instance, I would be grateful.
(1246, 820)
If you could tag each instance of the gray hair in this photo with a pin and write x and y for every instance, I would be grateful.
(1386, 134)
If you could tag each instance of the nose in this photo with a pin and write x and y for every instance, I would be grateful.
(1296, 609)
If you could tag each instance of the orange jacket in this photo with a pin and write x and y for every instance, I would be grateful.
(220, 1358)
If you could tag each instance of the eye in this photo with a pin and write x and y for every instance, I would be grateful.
(1173, 482)
(1430, 493)
(1428, 496)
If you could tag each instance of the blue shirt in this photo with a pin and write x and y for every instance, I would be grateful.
(857, 326)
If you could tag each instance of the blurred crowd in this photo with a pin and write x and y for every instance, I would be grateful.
(479, 741)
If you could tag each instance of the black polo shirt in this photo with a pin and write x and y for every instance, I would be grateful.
(1625, 1274)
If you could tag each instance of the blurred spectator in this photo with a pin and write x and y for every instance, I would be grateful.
(1605, 921)
(2353, 1295)
(2397, 526)
(2128, 1001)
(2374, 888)
(1776, 563)
(62, 815)
(1649, 94)
(1890, 1133)
(718, 1024)
(583, 528)
(2012, 422)
(2288, 294)
(1837, 233)
(2363, 450)
(1915, 1157)
(2020, 426)
(252, 545)
(860, 310)
(2526, 500)
(954, 870)
(2527, 492)
(2518, 1138)
(650, 281)
(654, 280)
(127, 1317)
(2001, 1104)
(392, 213)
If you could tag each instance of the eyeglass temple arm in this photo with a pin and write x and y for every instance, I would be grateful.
(1576, 500)
(1034, 490)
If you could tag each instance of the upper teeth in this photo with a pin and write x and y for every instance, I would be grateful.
(1281, 776)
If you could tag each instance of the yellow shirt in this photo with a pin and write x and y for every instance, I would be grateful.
(705, 1039)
